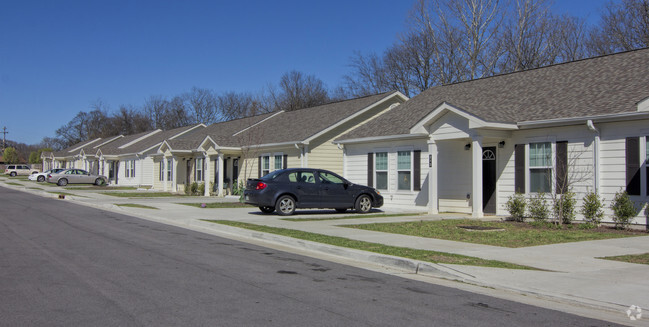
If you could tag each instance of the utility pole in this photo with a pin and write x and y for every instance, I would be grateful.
(4, 137)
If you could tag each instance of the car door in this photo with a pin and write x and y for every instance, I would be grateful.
(303, 183)
(333, 191)
(84, 177)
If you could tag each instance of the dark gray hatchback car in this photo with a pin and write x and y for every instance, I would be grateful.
(287, 189)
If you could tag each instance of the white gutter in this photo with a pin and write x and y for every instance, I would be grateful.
(581, 120)
(383, 138)
(592, 128)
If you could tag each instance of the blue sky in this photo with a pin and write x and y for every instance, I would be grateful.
(59, 57)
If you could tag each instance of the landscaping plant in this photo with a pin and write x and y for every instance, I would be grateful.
(564, 207)
(515, 205)
(538, 207)
(623, 209)
(592, 209)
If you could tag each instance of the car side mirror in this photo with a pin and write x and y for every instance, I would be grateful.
(345, 185)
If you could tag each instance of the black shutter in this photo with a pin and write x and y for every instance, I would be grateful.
(417, 170)
(259, 167)
(633, 165)
(285, 161)
(370, 169)
(562, 167)
(519, 170)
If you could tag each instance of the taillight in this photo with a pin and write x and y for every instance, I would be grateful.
(260, 186)
(49, 175)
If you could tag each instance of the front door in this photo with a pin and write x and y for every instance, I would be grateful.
(489, 180)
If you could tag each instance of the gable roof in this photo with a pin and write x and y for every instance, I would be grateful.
(300, 125)
(117, 147)
(605, 85)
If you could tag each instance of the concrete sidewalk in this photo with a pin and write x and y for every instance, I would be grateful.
(573, 275)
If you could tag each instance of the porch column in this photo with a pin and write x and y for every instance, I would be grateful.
(476, 193)
(174, 174)
(220, 167)
(433, 200)
(165, 168)
(207, 176)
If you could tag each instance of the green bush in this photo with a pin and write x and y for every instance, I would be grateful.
(237, 189)
(592, 209)
(564, 207)
(538, 207)
(515, 205)
(201, 189)
(193, 188)
(623, 209)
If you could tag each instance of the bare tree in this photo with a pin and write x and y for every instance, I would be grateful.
(201, 106)
(368, 75)
(297, 91)
(176, 114)
(624, 26)
(232, 105)
(156, 107)
(127, 120)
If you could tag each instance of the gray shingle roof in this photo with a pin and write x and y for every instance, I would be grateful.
(113, 148)
(602, 85)
(299, 125)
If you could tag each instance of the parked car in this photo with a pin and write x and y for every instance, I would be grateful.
(75, 176)
(41, 177)
(14, 170)
(287, 189)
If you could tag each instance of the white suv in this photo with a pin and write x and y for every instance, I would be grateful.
(13, 170)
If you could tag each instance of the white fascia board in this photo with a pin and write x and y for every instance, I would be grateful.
(207, 139)
(160, 147)
(358, 113)
(387, 138)
(474, 121)
(257, 123)
(270, 145)
(140, 139)
(84, 144)
(108, 141)
(185, 132)
(643, 106)
(582, 120)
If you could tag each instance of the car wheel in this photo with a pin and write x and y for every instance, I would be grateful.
(341, 210)
(62, 182)
(267, 209)
(363, 204)
(99, 182)
(12, 174)
(285, 205)
(40, 179)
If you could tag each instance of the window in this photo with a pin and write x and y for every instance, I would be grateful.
(279, 161)
(198, 169)
(381, 170)
(540, 164)
(301, 176)
(327, 178)
(404, 167)
(265, 165)
(169, 169)
(161, 175)
(130, 168)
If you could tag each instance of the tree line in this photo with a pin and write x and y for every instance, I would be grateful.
(445, 41)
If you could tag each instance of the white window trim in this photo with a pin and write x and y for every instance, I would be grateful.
(387, 170)
(267, 171)
(281, 161)
(199, 168)
(552, 167)
(411, 169)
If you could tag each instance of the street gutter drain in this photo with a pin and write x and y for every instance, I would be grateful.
(481, 228)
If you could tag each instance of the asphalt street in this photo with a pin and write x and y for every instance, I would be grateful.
(63, 264)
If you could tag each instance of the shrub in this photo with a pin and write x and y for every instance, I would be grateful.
(538, 207)
(201, 189)
(193, 188)
(515, 205)
(623, 209)
(564, 207)
(592, 209)
(237, 189)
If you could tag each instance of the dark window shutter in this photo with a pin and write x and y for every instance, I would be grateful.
(519, 170)
(633, 165)
(562, 167)
(647, 172)
(285, 161)
(370, 169)
(416, 179)
(259, 167)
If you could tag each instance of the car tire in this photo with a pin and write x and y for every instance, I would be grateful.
(363, 204)
(285, 205)
(40, 179)
(99, 182)
(341, 210)
(267, 209)
(12, 174)
(62, 182)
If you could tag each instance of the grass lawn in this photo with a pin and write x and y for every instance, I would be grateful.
(422, 255)
(514, 234)
(213, 205)
(631, 258)
(100, 188)
(378, 215)
(14, 183)
(35, 188)
(141, 194)
(135, 205)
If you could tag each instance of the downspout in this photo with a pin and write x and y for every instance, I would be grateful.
(592, 128)
(301, 155)
(342, 148)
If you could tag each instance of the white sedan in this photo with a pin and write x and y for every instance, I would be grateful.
(40, 177)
